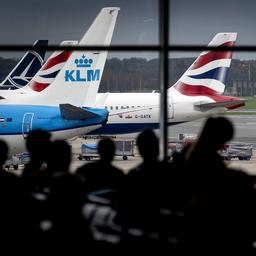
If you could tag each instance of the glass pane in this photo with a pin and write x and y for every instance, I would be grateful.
(29, 20)
(196, 22)
(137, 72)
(186, 76)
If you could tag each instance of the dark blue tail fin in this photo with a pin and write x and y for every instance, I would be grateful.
(26, 68)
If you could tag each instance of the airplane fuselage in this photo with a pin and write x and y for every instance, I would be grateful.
(141, 110)
(16, 121)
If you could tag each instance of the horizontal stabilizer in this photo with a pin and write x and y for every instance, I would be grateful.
(230, 104)
(72, 112)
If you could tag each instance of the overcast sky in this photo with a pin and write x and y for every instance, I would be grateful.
(191, 21)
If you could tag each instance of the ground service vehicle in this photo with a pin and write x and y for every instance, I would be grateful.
(241, 151)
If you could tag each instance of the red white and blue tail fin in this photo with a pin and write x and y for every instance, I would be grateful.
(46, 75)
(207, 75)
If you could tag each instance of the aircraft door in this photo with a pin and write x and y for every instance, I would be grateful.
(170, 108)
(27, 124)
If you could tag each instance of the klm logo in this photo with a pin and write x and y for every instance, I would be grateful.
(83, 73)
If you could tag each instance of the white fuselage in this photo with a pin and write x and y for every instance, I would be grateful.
(132, 112)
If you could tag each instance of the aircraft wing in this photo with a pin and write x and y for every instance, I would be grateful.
(72, 112)
(230, 104)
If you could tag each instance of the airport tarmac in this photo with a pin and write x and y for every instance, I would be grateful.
(245, 132)
(245, 128)
(247, 166)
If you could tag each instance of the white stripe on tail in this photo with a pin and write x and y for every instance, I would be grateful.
(207, 75)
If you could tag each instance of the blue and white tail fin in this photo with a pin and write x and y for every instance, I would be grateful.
(79, 79)
(207, 75)
(26, 68)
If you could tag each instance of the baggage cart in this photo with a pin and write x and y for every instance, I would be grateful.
(124, 148)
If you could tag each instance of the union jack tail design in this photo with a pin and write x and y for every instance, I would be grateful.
(46, 75)
(207, 75)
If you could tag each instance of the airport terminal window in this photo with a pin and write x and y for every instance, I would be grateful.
(142, 43)
(177, 216)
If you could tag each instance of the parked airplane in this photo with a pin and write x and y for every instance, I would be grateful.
(26, 68)
(198, 93)
(61, 108)
(45, 76)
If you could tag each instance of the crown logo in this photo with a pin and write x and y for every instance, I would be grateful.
(83, 62)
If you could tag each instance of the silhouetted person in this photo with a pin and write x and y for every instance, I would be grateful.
(215, 133)
(66, 198)
(59, 158)
(37, 143)
(33, 179)
(3, 152)
(103, 182)
(101, 175)
(10, 201)
(144, 187)
(221, 197)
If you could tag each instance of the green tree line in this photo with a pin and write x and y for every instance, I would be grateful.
(138, 74)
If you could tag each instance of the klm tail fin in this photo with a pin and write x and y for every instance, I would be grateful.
(78, 81)
(85, 68)
(207, 75)
(26, 68)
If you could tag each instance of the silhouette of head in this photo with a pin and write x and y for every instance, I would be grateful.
(216, 132)
(148, 146)
(59, 156)
(3, 152)
(37, 143)
(106, 149)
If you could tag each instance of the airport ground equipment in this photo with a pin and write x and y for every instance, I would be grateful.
(124, 148)
(242, 151)
(16, 160)
(239, 150)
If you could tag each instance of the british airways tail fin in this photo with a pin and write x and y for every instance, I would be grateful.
(48, 72)
(207, 75)
(26, 68)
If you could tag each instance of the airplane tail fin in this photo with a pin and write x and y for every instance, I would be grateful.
(79, 79)
(51, 68)
(26, 68)
(207, 75)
